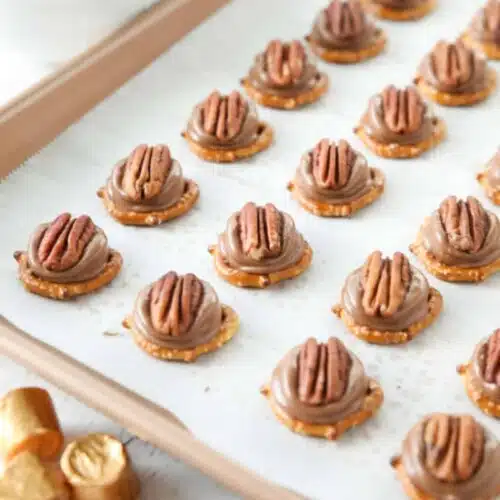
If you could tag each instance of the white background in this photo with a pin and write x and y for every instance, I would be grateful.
(218, 397)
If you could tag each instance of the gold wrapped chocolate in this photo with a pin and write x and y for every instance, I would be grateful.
(98, 468)
(28, 422)
(26, 478)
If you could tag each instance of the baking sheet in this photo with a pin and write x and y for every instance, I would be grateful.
(36, 41)
(218, 396)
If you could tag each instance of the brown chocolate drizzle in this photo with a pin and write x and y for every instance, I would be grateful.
(385, 284)
(64, 241)
(454, 447)
(466, 223)
(323, 371)
(175, 301)
(261, 230)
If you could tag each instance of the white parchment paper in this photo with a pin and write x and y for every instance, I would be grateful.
(218, 396)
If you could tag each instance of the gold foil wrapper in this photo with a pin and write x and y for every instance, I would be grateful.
(26, 478)
(98, 468)
(28, 422)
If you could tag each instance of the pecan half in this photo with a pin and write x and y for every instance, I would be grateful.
(453, 447)
(145, 171)
(323, 371)
(453, 63)
(466, 223)
(385, 283)
(261, 231)
(492, 364)
(404, 110)
(223, 116)
(175, 301)
(64, 241)
(346, 18)
(332, 163)
(492, 17)
(285, 62)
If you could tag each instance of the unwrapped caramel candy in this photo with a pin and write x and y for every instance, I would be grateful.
(28, 422)
(98, 468)
(26, 478)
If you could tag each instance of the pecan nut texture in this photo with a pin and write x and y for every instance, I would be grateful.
(332, 164)
(343, 25)
(145, 172)
(224, 122)
(452, 456)
(148, 180)
(320, 383)
(261, 231)
(453, 62)
(175, 301)
(260, 240)
(283, 69)
(454, 68)
(398, 116)
(492, 359)
(453, 447)
(404, 109)
(466, 223)
(346, 19)
(68, 250)
(285, 62)
(323, 371)
(223, 116)
(485, 25)
(64, 241)
(385, 284)
(334, 173)
(178, 312)
(492, 18)
(461, 233)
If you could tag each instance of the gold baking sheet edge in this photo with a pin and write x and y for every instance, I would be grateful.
(37, 116)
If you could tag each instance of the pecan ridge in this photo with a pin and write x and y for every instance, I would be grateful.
(385, 283)
(223, 116)
(466, 223)
(175, 301)
(64, 241)
(323, 371)
(261, 231)
(145, 171)
(346, 18)
(404, 109)
(332, 163)
(492, 364)
(453, 447)
(453, 62)
(285, 62)
(492, 17)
